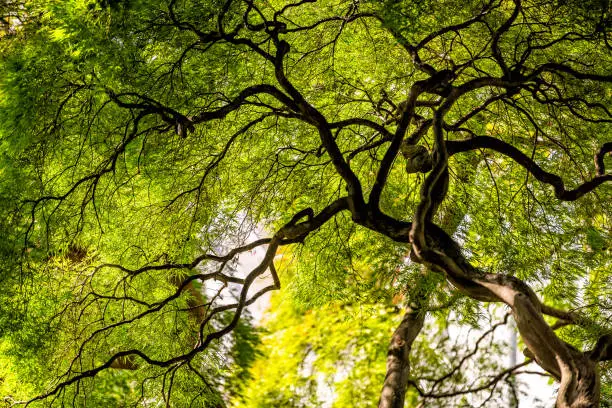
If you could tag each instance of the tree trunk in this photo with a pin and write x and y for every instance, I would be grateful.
(398, 363)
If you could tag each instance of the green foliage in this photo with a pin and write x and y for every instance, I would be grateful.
(113, 179)
(333, 353)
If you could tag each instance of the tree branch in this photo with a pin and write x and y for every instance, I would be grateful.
(487, 142)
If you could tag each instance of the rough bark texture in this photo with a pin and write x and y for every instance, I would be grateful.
(425, 108)
(577, 374)
(398, 356)
(398, 364)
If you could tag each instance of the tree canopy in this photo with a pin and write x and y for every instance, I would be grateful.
(436, 162)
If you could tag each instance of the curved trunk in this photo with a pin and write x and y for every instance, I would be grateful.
(576, 371)
(398, 356)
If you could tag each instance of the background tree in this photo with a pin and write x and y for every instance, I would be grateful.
(144, 142)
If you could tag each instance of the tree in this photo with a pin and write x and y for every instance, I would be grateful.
(144, 142)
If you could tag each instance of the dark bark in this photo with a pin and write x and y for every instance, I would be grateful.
(575, 370)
